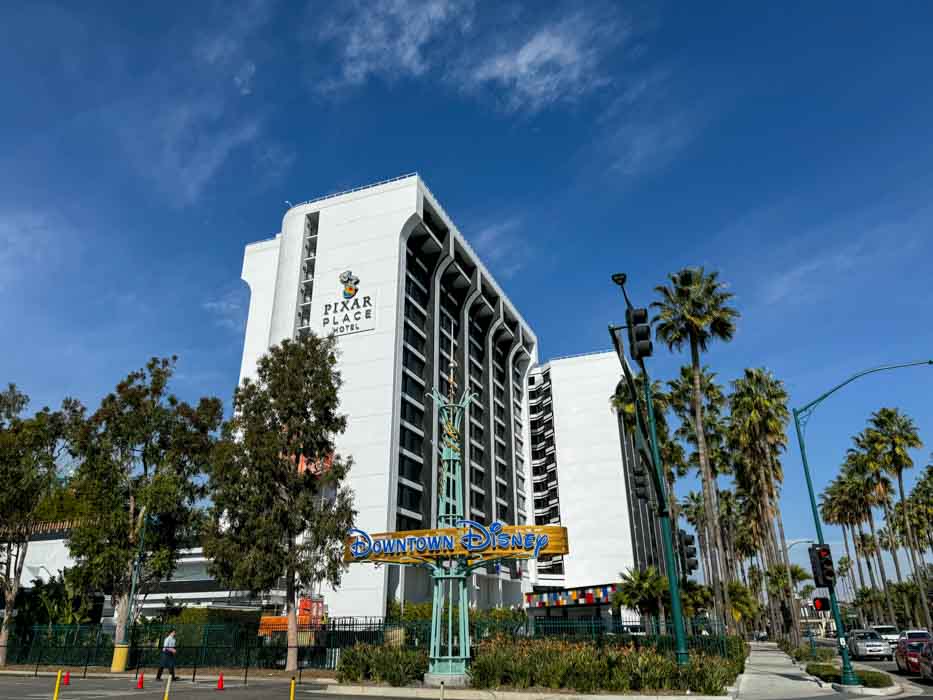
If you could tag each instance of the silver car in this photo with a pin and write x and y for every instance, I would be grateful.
(868, 644)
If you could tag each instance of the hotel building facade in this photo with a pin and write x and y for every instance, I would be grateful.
(386, 270)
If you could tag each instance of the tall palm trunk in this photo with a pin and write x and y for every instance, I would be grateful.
(792, 601)
(845, 541)
(912, 547)
(720, 591)
(871, 575)
(909, 611)
(884, 576)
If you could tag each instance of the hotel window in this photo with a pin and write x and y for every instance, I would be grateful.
(409, 468)
(410, 440)
(415, 316)
(412, 387)
(412, 413)
(403, 522)
(409, 498)
(416, 292)
(412, 362)
(413, 338)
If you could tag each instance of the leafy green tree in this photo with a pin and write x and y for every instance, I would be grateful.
(30, 453)
(140, 460)
(272, 518)
(744, 604)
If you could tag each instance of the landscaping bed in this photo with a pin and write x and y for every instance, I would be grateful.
(553, 665)
(833, 674)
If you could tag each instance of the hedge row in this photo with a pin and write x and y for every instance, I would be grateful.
(390, 664)
(554, 664)
(587, 668)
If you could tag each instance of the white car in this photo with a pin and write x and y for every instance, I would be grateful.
(868, 644)
(888, 633)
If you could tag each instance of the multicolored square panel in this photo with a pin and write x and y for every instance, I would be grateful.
(572, 596)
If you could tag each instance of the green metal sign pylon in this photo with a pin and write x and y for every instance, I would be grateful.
(450, 642)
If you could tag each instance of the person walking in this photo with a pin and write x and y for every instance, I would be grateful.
(167, 660)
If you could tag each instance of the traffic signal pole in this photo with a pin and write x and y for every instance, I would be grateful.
(802, 414)
(640, 340)
(848, 674)
(667, 536)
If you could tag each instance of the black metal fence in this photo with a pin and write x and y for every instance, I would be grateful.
(238, 646)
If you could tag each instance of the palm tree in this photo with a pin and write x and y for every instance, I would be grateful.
(855, 501)
(758, 432)
(681, 397)
(671, 452)
(864, 465)
(641, 590)
(893, 434)
(694, 310)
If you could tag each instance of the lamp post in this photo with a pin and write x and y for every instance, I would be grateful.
(801, 416)
(664, 512)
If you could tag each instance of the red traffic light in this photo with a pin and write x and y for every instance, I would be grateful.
(821, 604)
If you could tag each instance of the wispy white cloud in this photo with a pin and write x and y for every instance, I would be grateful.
(186, 142)
(226, 45)
(522, 68)
(498, 244)
(229, 309)
(650, 123)
(26, 240)
(559, 61)
(390, 38)
(817, 260)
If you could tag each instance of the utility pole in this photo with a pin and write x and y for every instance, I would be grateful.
(639, 332)
(801, 416)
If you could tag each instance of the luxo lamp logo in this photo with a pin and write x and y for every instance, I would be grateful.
(351, 284)
(354, 313)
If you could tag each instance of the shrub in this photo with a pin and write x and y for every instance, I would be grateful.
(384, 664)
(587, 667)
(833, 674)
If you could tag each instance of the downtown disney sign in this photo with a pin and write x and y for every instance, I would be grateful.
(470, 540)
(454, 550)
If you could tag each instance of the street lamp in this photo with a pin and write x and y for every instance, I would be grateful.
(801, 416)
(664, 513)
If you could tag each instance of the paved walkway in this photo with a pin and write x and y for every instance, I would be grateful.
(771, 675)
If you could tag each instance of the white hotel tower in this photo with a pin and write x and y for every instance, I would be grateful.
(386, 270)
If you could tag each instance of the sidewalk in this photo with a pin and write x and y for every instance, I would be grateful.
(771, 675)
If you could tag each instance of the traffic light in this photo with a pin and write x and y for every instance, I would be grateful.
(639, 333)
(821, 561)
(689, 552)
(641, 484)
(821, 604)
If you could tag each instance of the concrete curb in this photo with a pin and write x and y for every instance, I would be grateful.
(895, 689)
(461, 694)
(210, 678)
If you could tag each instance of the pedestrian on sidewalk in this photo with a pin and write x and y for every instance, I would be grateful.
(167, 659)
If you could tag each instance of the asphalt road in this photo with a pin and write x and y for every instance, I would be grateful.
(42, 688)
(923, 687)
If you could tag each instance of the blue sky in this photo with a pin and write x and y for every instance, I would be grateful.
(143, 147)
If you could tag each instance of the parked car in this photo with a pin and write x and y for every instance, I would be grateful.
(925, 663)
(907, 655)
(889, 633)
(868, 644)
(918, 635)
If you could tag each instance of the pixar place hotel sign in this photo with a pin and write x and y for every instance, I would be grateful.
(470, 539)
(350, 310)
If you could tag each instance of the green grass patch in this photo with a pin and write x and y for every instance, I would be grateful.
(833, 674)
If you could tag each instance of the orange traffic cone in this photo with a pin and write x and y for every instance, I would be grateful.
(139, 682)
(66, 680)
(220, 682)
